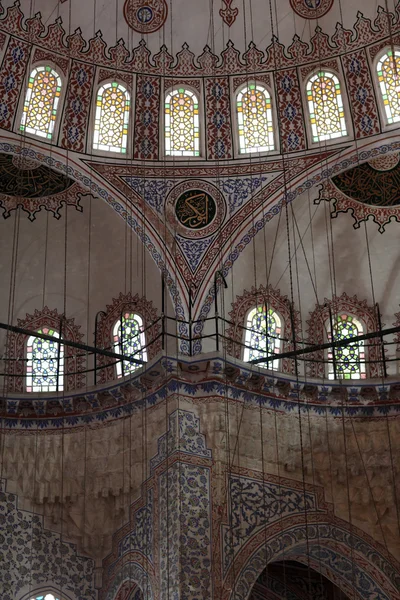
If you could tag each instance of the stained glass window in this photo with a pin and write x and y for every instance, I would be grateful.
(111, 118)
(254, 113)
(182, 137)
(388, 69)
(263, 333)
(41, 102)
(45, 597)
(325, 104)
(349, 360)
(129, 339)
(45, 364)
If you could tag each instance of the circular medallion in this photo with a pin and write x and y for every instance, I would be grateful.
(386, 162)
(311, 9)
(145, 16)
(195, 208)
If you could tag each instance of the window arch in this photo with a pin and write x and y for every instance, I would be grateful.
(388, 71)
(181, 126)
(45, 363)
(45, 596)
(347, 362)
(263, 335)
(41, 102)
(325, 105)
(254, 119)
(111, 118)
(130, 340)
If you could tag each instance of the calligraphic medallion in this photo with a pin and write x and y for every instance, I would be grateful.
(311, 9)
(195, 208)
(145, 16)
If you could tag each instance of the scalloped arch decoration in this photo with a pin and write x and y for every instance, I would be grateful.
(258, 297)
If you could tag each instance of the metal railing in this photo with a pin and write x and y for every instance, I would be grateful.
(301, 350)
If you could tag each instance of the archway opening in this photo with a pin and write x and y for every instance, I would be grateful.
(292, 580)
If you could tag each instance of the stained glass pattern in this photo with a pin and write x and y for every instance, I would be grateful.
(129, 339)
(41, 102)
(182, 136)
(349, 360)
(45, 597)
(325, 105)
(388, 69)
(263, 333)
(45, 365)
(111, 118)
(254, 114)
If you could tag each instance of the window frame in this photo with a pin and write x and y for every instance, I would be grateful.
(90, 139)
(276, 364)
(329, 367)
(199, 95)
(44, 588)
(235, 121)
(385, 126)
(60, 106)
(117, 345)
(60, 373)
(346, 109)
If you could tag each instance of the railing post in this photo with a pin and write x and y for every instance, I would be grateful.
(190, 321)
(332, 339)
(122, 344)
(162, 312)
(101, 312)
(218, 273)
(59, 354)
(381, 337)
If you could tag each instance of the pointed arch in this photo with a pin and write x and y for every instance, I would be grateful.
(45, 363)
(111, 121)
(347, 362)
(325, 106)
(41, 103)
(107, 334)
(254, 119)
(258, 298)
(181, 123)
(361, 315)
(17, 344)
(129, 339)
(263, 335)
(388, 73)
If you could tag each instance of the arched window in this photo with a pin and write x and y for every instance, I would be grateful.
(129, 339)
(182, 136)
(263, 333)
(347, 362)
(45, 363)
(325, 104)
(111, 118)
(254, 115)
(45, 596)
(41, 102)
(388, 69)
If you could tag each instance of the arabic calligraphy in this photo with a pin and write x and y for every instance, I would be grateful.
(195, 209)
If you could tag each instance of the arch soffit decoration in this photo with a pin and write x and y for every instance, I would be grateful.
(135, 304)
(329, 540)
(259, 297)
(317, 330)
(133, 574)
(75, 361)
